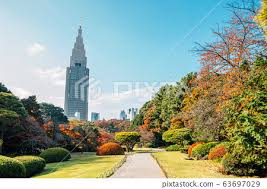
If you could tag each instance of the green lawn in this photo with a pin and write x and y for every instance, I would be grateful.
(175, 165)
(86, 165)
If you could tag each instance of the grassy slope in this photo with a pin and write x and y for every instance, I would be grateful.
(86, 165)
(175, 166)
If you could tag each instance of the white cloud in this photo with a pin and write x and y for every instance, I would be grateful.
(20, 92)
(55, 76)
(35, 49)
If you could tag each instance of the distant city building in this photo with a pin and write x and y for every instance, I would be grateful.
(132, 112)
(95, 116)
(77, 82)
(123, 115)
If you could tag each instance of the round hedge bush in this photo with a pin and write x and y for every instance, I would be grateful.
(174, 147)
(193, 146)
(110, 148)
(11, 168)
(202, 150)
(57, 154)
(218, 151)
(33, 164)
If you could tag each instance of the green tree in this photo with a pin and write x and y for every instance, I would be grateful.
(33, 108)
(7, 118)
(129, 139)
(9, 102)
(3, 88)
(10, 109)
(246, 125)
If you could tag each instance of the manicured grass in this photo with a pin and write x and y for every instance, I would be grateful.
(86, 165)
(175, 165)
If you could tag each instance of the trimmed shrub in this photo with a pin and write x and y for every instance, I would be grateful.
(178, 136)
(218, 151)
(110, 148)
(57, 154)
(193, 146)
(129, 139)
(11, 168)
(203, 150)
(174, 147)
(33, 164)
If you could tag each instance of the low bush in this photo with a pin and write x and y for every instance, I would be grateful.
(33, 164)
(174, 147)
(110, 148)
(57, 154)
(11, 168)
(202, 150)
(193, 146)
(218, 151)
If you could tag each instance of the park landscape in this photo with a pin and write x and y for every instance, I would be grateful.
(210, 124)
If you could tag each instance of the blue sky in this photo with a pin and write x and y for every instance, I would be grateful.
(126, 40)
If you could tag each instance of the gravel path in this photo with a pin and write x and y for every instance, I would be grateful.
(139, 165)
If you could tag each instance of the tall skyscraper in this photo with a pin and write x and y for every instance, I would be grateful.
(77, 82)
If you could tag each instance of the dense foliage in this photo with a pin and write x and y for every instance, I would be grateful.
(110, 148)
(178, 136)
(262, 16)
(11, 168)
(56, 154)
(246, 122)
(129, 139)
(202, 150)
(33, 164)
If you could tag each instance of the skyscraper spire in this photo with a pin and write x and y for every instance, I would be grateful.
(77, 82)
(80, 31)
(78, 51)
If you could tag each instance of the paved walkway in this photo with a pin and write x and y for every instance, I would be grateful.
(139, 165)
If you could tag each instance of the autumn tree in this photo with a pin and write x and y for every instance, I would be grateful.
(52, 116)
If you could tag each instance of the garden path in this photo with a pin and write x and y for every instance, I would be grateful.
(139, 165)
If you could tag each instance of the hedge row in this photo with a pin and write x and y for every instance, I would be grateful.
(11, 168)
(33, 164)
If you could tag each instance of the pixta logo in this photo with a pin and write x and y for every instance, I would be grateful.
(85, 83)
